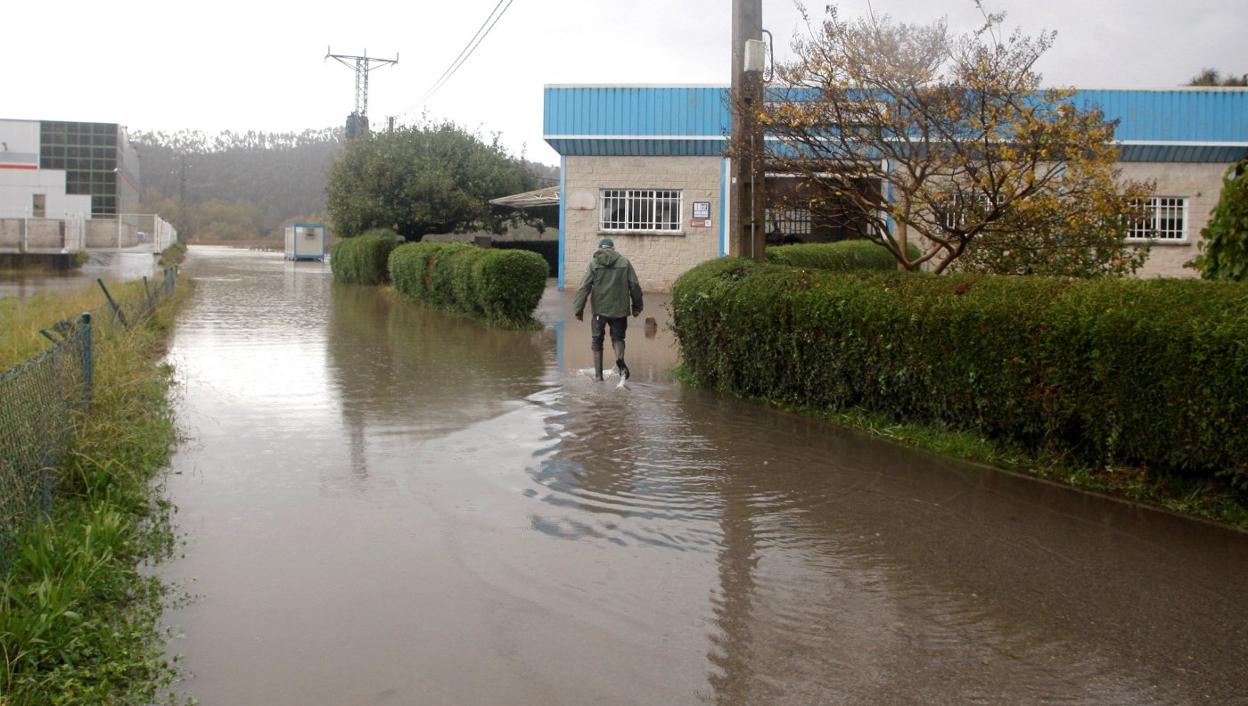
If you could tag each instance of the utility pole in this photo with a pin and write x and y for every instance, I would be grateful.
(749, 167)
(184, 231)
(357, 122)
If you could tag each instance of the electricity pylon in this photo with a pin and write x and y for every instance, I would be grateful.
(362, 66)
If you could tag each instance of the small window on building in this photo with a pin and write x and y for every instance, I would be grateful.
(1162, 218)
(955, 209)
(640, 210)
(39, 205)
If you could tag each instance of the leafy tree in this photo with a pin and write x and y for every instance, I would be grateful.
(1224, 244)
(1211, 77)
(429, 178)
(950, 138)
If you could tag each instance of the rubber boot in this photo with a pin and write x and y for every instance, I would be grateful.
(619, 359)
(598, 365)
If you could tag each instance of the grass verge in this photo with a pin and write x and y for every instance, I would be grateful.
(78, 613)
(173, 255)
(1202, 498)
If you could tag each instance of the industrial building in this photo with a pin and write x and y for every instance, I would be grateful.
(59, 170)
(66, 187)
(645, 165)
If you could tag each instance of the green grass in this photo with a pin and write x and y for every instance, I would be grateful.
(173, 255)
(78, 614)
(21, 319)
(1202, 498)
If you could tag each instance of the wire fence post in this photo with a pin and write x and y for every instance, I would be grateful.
(88, 370)
(116, 309)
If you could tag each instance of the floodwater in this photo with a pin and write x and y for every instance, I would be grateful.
(108, 265)
(389, 505)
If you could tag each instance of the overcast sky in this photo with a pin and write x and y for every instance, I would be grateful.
(236, 65)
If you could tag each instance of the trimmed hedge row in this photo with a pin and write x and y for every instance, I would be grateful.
(1151, 373)
(501, 286)
(548, 249)
(362, 259)
(843, 256)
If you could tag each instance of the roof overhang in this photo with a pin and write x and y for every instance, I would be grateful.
(538, 198)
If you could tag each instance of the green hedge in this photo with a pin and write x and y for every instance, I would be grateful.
(501, 286)
(843, 256)
(1151, 373)
(362, 259)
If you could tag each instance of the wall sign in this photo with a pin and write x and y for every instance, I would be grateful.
(701, 210)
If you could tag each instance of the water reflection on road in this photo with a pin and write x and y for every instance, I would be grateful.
(108, 265)
(385, 504)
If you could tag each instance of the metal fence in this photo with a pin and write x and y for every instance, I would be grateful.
(73, 234)
(42, 401)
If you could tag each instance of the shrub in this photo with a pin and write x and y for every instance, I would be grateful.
(1142, 372)
(362, 259)
(1224, 241)
(844, 256)
(502, 286)
(548, 249)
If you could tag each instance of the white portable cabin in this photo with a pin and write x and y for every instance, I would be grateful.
(305, 241)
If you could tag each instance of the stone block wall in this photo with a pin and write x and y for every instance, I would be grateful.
(658, 259)
(1201, 184)
(103, 233)
(23, 234)
(11, 233)
(45, 234)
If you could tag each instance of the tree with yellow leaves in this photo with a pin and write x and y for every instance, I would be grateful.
(950, 142)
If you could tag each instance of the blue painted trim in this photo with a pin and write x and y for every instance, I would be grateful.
(563, 220)
(723, 206)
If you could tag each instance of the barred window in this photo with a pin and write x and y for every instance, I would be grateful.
(640, 210)
(1160, 218)
(788, 221)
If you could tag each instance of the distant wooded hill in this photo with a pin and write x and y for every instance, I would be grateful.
(266, 177)
(241, 186)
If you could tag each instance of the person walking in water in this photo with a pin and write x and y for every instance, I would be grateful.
(615, 293)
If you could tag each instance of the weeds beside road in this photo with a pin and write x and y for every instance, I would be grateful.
(79, 617)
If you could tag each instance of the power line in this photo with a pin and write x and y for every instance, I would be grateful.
(479, 36)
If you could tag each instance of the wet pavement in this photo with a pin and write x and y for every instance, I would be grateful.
(108, 265)
(385, 504)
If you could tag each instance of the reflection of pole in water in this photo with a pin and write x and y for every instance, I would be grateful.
(733, 606)
(359, 460)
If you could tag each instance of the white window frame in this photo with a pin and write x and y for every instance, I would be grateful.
(1154, 209)
(643, 222)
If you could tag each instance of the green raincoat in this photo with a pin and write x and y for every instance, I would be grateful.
(613, 282)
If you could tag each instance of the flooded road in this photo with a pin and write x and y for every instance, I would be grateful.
(388, 505)
(109, 265)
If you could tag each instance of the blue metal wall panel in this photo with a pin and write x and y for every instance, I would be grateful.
(1179, 115)
(635, 110)
(696, 111)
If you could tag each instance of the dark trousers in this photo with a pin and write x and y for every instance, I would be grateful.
(598, 325)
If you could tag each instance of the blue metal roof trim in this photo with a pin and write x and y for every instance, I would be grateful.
(691, 111)
(623, 120)
(637, 148)
(1182, 153)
